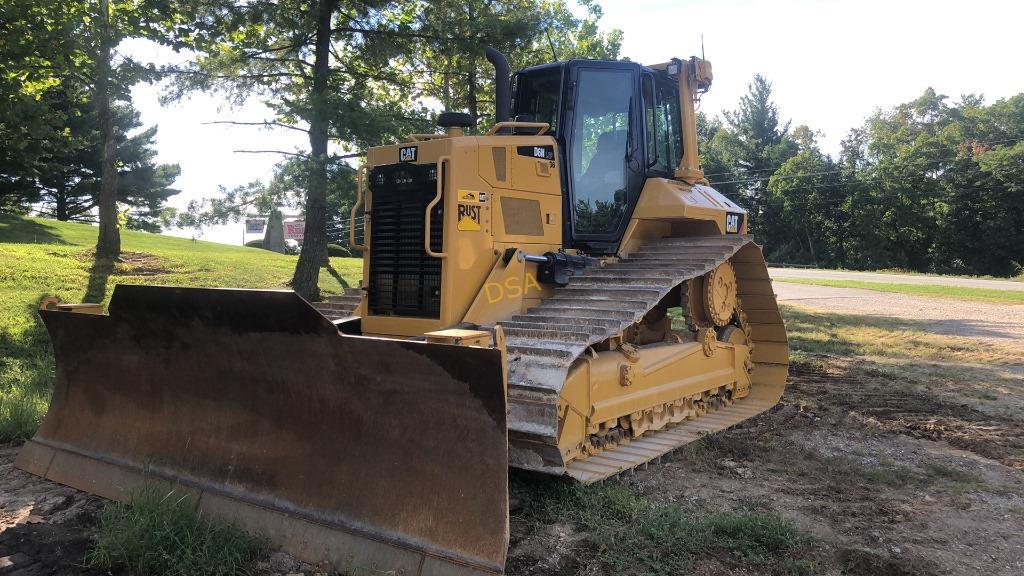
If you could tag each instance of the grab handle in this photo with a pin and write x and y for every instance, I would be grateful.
(355, 208)
(426, 217)
(540, 127)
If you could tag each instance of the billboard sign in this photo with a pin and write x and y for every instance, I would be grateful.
(255, 225)
(294, 230)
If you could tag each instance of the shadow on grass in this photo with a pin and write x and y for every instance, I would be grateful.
(18, 230)
(99, 274)
(337, 276)
(26, 375)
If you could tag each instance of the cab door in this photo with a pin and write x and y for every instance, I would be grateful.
(603, 154)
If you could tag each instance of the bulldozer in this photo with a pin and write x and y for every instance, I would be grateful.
(562, 292)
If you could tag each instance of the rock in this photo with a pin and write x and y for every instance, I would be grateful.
(282, 563)
(273, 239)
(14, 562)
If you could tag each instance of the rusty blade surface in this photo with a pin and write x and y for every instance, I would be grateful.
(376, 453)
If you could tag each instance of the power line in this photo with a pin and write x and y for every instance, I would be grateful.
(772, 169)
(829, 172)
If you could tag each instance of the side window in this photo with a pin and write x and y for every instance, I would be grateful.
(650, 112)
(538, 94)
(668, 127)
(598, 150)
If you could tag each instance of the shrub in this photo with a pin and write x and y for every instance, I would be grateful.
(338, 251)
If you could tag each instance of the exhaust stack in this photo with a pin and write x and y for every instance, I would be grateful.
(502, 87)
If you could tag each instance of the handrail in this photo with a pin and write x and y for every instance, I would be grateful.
(425, 137)
(426, 216)
(542, 127)
(355, 207)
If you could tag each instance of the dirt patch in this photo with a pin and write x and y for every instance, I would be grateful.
(132, 263)
(45, 528)
(885, 480)
(846, 385)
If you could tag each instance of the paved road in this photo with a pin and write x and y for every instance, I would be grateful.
(998, 322)
(894, 278)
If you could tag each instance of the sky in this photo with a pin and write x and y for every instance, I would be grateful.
(832, 63)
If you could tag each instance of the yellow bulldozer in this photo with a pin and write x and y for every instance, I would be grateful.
(563, 293)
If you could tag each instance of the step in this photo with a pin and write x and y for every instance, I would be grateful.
(591, 302)
(554, 335)
(614, 271)
(556, 326)
(611, 291)
(347, 299)
(678, 258)
(560, 309)
(697, 251)
(623, 280)
(731, 240)
(542, 348)
(595, 323)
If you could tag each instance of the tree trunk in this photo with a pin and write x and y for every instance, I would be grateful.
(314, 239)
(61, 203)
(108, 245)
(474, 105)
(810, 245)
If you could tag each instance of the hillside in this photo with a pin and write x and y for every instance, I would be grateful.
(40, 257)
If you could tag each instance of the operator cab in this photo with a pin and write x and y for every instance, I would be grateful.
(616, 124)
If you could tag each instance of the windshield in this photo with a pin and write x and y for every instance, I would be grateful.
(538, 95)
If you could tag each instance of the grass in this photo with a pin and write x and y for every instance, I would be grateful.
(627, 534)
(813, 332)
(159, 532)
(907, 352)
(931, 290)
(41, 257)
(1018, 278)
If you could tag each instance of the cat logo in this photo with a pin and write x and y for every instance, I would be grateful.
(732, 223)
(469, 217)
(468, 196)
(407, 154)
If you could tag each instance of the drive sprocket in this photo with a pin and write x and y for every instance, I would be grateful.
(720, 294)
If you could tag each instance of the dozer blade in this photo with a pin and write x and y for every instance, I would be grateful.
(374, 454)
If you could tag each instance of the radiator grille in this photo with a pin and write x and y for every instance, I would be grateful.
(404, 280)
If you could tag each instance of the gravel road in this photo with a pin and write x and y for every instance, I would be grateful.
(1003, 322)
(895, 278)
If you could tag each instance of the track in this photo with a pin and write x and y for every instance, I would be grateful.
(602, 302)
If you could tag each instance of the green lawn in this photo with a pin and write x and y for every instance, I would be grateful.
(40, 257)
(933, 290)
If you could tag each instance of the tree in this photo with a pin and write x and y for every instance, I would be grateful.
(354, 72)
(452, 35)
(108, 245)
(322, 67)
(806, 207)
(74, 42)
(67, 183)
(753, 143)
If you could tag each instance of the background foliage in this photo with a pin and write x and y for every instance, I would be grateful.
(934, 184)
